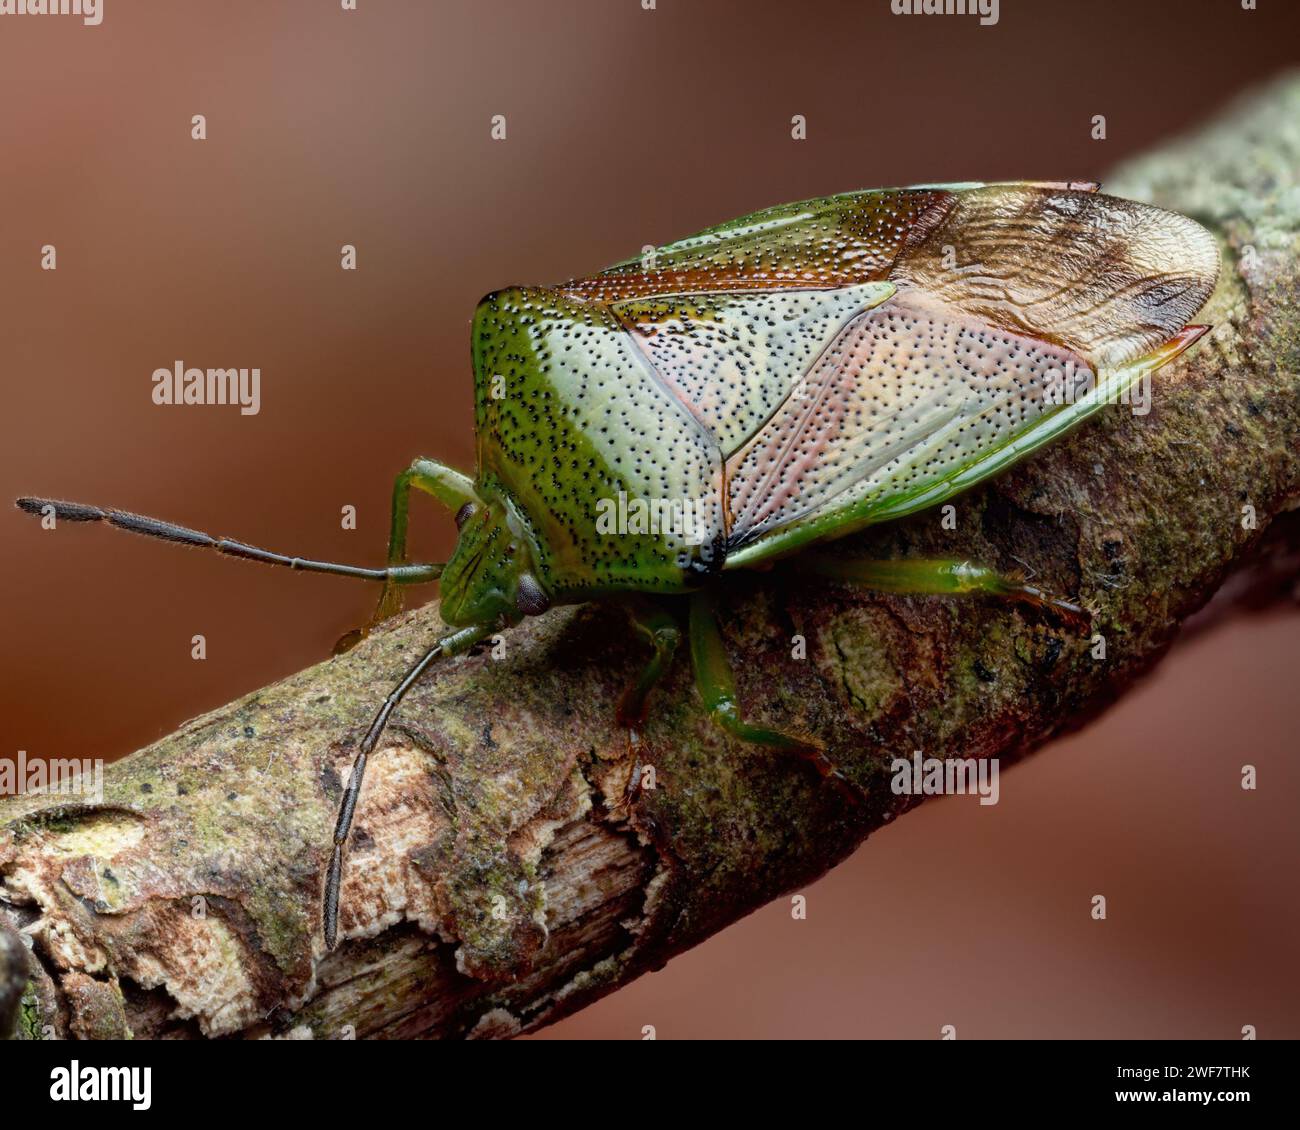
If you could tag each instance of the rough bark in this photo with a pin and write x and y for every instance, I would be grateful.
(508, 864)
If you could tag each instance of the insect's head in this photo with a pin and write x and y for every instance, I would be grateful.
(492, 574)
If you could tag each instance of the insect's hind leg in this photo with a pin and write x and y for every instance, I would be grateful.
(717, 687)
(449, 645)
(448, 486)
(942, 576)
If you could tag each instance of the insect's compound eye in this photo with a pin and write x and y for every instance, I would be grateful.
(531, 599)
(464, 514)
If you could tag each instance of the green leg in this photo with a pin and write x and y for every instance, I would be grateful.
(942, 577)
(658, 627)
(717, 687)
(450, 487)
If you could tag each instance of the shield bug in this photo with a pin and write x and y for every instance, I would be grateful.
(759, 388)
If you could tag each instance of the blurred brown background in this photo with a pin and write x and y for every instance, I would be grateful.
(625, 127)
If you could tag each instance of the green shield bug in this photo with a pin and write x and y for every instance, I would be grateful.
(764, 386)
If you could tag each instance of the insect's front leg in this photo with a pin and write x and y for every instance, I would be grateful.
(717, 687)
(945, 577)
(448, 486)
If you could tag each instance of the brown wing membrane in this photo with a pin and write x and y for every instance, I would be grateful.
(1108, 278)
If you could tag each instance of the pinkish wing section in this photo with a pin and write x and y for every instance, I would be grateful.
(732, 359)
(907, 393)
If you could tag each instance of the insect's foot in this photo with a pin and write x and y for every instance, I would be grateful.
(1073, 616)
(828, 770)
(348, 641)
(1062, 612)
(630, 714)
(390, 604)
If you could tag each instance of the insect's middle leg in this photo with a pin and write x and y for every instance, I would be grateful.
(659, 628)
(942, 576)
(717, 687)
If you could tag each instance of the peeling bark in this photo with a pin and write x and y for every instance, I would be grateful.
(508, 864)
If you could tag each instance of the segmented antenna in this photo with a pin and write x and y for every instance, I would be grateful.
(169, 531)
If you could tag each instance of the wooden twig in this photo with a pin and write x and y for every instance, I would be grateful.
(515, 855)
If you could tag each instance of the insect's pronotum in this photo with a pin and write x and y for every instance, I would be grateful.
(786, 378)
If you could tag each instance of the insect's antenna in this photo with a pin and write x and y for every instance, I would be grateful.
(452, 644)
(167, 531)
